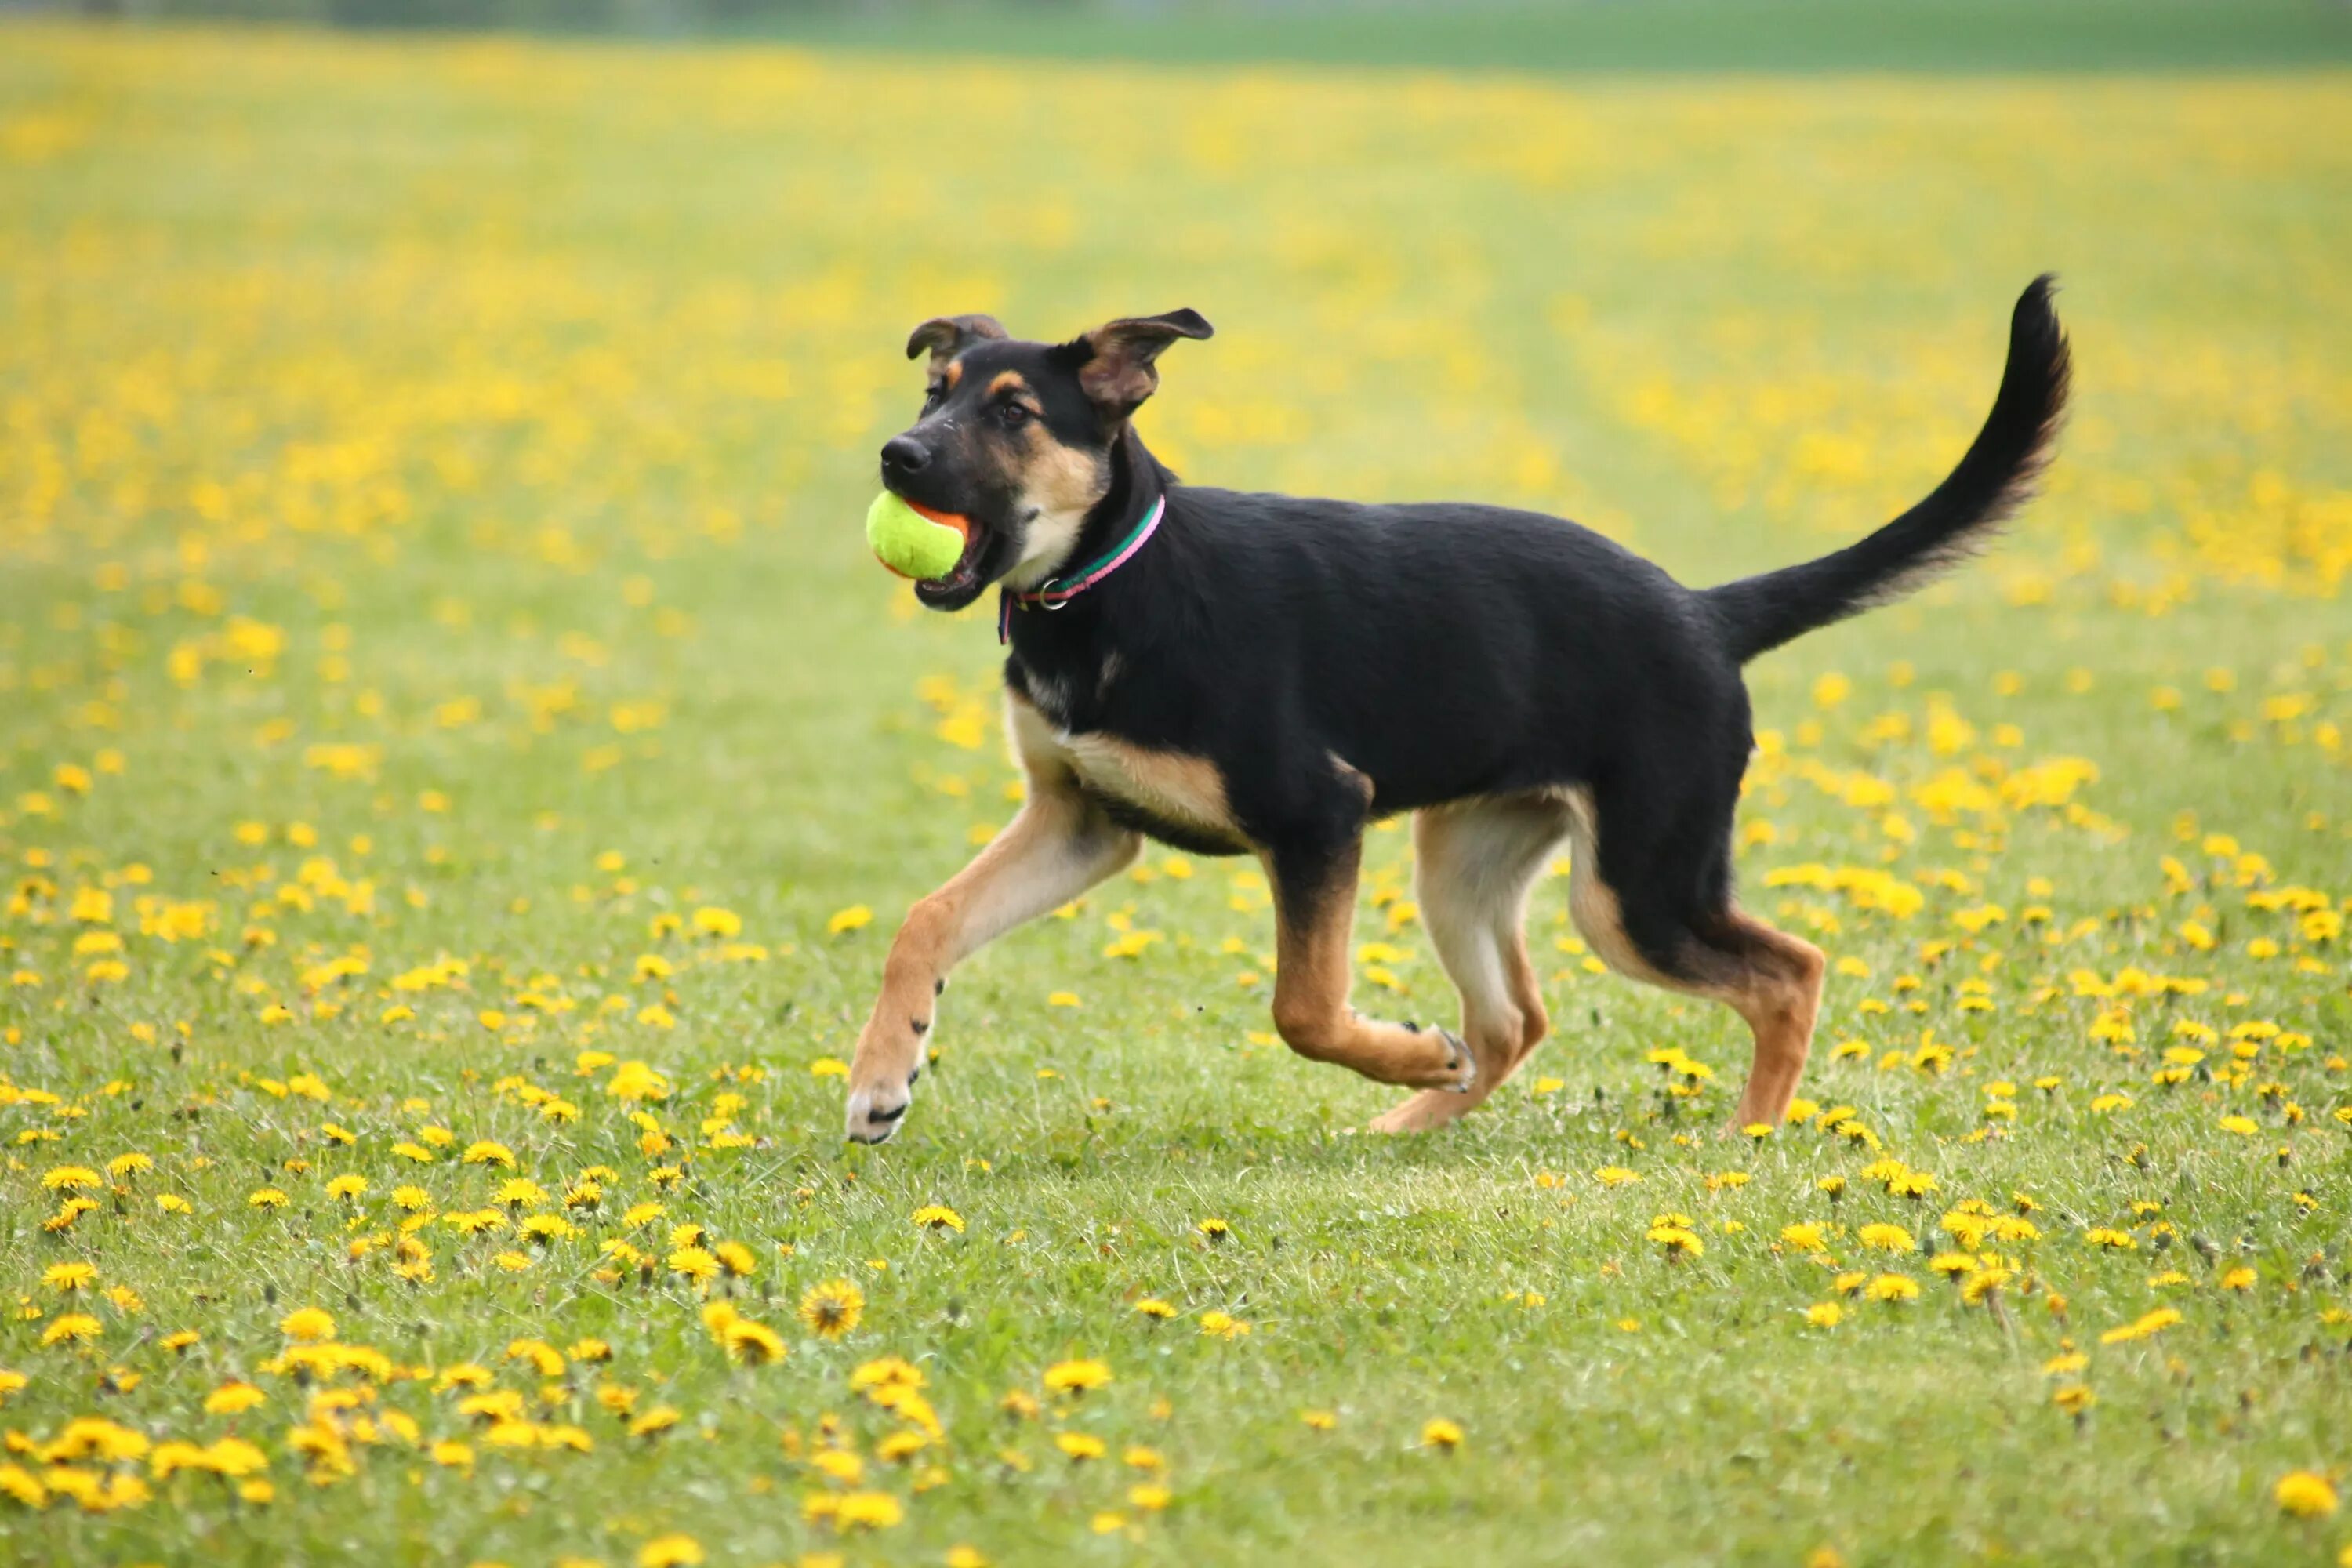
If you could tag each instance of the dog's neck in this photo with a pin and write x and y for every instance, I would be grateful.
(1137, 483)
(1062, 656)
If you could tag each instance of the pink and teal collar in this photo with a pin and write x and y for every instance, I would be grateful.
(1054, 592)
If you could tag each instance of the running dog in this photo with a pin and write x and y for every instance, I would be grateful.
(1239, 674)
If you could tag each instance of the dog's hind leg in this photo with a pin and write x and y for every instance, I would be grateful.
(1650, 889)
(1315, 922)
(1473, 864)
(1780, 996)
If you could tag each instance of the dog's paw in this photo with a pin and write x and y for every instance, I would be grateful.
(875, 1115)
(1425, 1111)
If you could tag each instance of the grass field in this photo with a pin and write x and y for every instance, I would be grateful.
(1941, 35)
(460, 769)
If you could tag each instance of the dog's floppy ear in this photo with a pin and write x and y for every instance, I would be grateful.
(948, 336)
(1117, 372)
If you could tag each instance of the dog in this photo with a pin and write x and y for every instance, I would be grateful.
(1241, 674)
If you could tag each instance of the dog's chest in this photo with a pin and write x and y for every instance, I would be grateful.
(1168, 796)
(1174, 796)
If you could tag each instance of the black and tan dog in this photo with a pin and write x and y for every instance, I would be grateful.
(1258, 674)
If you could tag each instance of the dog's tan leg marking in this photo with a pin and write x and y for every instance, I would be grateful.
(1058, 845)
(1474, 862)
(1314, 930)
(1592, 903)
(1772, 979)
(1781, 999)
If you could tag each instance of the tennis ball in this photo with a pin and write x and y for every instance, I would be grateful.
(915, 543)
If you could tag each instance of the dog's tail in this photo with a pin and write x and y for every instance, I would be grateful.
(1759, 613)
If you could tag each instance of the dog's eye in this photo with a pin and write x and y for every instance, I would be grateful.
(933, 392)
(1012, 414)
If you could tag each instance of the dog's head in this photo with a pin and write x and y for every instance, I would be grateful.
(1017, 438)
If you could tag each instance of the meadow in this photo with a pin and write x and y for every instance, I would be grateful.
(460, 770)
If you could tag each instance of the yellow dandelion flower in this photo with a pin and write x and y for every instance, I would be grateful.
(832, 1308)
(1886, 1238)
(753, 1343)
(900, 1447)
(307, 1325)
(671, 1551)
(654, 1422)
(868, 1510)
(233, 1398)
(71, 1327)
(2305, 1494)
(1078, 1376)
(67, 1277)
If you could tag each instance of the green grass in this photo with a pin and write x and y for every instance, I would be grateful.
(1941, 35)
(1660, 35)
(447, 458)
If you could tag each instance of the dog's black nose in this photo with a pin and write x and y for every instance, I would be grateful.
(904, 455)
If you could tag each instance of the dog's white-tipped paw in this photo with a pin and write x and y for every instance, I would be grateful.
(875, 1115)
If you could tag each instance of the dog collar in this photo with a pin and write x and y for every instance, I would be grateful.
(1054, 592)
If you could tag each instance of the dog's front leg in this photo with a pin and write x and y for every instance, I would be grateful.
(1058, 847)
(1314, 922)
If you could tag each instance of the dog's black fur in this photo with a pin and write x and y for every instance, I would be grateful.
(1336, 662)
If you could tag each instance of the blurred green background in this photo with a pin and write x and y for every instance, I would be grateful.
(1594, 34)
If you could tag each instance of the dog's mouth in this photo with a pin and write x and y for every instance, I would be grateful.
(964, 582)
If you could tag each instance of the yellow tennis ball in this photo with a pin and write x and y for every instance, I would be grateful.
(913, 543)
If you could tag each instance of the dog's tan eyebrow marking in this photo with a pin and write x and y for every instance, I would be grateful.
(1007, 383)
(953, 374)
